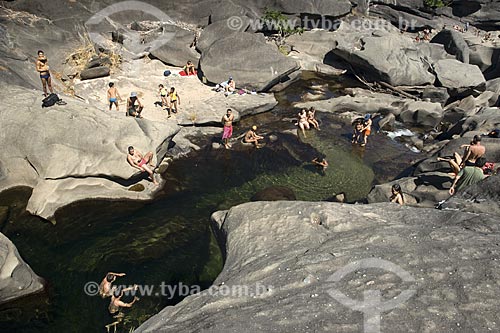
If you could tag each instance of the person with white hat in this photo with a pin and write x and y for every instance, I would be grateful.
(133, 109)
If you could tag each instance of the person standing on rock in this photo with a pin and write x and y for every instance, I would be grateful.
(42, 67)
(469, 175)
(175, 101)
(143, 163)
(367, 128)
(227, 121)
(105, 289)
(133, 109)
(113, 96)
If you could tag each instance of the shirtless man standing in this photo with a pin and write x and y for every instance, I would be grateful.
(227, 120)
(252, 137)
(113, 96)
(105, 289)
(42, 67)
(143, 163)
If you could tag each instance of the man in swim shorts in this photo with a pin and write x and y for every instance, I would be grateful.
(42, 67)
(143, 163)
(133, 109)
(227, 120)
(105, 289)
(113, 96)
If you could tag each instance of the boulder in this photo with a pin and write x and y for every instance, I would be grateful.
(389, 58)
(292, 265)
(454, 43)
(274, 193)
(383, 193)
(482, 197)
(17, 279)
(403, 19)
(487, 58)
(484, 15)
(425, 114)
(94, 73)
(105, 61)
(457, 76)
(259, 67)
(79, 151)
(435, 94)
(178, 50)
(218, 29)
(315, 7)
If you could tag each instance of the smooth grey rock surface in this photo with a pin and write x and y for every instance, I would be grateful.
(287, 261)
(17, 279)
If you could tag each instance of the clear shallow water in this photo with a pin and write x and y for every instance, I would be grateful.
(169, 239)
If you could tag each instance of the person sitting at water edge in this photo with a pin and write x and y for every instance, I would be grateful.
(227, 121)
(397, 194)
(469, 175)
(42, 67)
(252, 137)
(320, 163)
(133, 109)
(105, 289)
(174, 101)
(189, 68)
(143, 163)
(311, 113)
(367, 128)
(116, 303)
(113, 96)
(302, 121)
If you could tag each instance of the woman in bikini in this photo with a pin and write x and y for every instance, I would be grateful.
(42, 67)
(311, 118)
(175, 100)
(303, 123)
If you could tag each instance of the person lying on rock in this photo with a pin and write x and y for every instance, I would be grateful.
(42, 67)
(143, 163)
(189, 68)
(469, 175)
(116, 303)
(252, 137)
(134, 106)
(105, 288)
(397, 194)
(113, 96)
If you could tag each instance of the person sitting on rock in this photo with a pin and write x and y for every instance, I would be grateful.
(469, 175)
(116, 303)
(174, 101)
(367, 128)
(189, 68)
(113, 96)
(311, 113)
(321, 163)
(397, 194)
(134, 109)
(42, 67)
(252, 137)
(143, 163)
(302, 121)
(231, 85)
(105, 289)
(472, 152)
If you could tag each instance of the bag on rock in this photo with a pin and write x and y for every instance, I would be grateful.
(50, 100)
(167, 73)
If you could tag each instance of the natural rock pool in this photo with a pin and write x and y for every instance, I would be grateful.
(169, 239)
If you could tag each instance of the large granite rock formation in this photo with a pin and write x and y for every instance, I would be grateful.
(258, 67)
(17, 279)
(72, 152)
(454, 43)
(296, 259)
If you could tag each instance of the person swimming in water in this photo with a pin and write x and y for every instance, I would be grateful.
(397, 194)
(105, 288)
(321, 164)
(42, 67)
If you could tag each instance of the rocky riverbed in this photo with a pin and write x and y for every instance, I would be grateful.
(417, 67)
